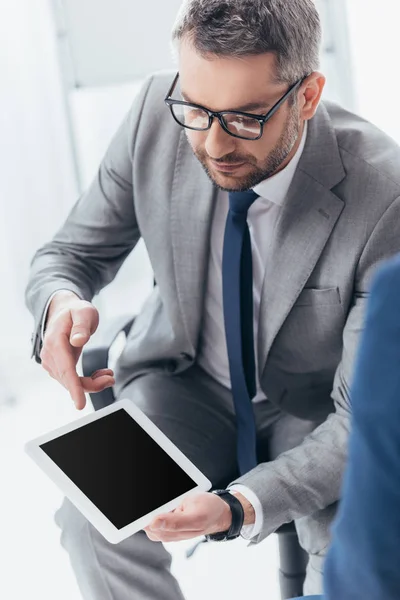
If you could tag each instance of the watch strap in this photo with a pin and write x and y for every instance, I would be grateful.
(237, 518)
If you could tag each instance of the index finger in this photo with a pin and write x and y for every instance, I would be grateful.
(178, 521)
(68, 376)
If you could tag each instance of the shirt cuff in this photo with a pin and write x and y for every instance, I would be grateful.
(46, 310)
(250, 531)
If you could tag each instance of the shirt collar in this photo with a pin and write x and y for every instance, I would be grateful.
(275, 188)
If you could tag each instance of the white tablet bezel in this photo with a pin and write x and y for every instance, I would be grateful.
(82, 502)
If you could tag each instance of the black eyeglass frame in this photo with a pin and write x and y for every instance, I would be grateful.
(262, 119)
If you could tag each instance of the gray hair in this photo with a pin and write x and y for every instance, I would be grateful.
(290, 29)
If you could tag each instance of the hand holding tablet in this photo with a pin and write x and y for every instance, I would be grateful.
(117, 468)
(197, 515)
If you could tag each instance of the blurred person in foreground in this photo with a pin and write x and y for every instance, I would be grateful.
(264, 212)
(363, 562)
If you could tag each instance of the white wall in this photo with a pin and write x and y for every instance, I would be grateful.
(116, 41)
(374, 31)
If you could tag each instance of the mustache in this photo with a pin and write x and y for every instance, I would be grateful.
(228, 160)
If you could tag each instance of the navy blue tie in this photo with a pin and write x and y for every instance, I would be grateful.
(237, 285)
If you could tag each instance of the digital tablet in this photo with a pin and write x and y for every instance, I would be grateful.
(117, 468)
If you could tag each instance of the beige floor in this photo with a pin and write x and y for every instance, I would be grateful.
(34, 566)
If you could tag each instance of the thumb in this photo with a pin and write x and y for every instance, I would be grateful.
(80, 332)
(83, 326)
(79, 338)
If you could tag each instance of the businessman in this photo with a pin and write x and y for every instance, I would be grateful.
(264, 212)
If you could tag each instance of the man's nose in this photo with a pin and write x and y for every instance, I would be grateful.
(219, 143)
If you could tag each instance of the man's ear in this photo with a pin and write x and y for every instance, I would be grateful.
(310, 95)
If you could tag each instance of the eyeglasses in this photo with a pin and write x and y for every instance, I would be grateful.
(242, 125)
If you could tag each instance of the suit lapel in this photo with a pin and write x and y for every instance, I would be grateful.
(306, 222)
(192, 203)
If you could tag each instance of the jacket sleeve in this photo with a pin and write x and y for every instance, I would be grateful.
(363, 561)
(308, 478)
(99, 233)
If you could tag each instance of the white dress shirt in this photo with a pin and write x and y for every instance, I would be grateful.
(213, 355)
(261, 219)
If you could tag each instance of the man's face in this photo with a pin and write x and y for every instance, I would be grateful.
(245, 84)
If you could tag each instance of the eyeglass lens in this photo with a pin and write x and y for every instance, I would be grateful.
(196, 118)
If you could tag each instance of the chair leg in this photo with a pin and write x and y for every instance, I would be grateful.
(293, 563)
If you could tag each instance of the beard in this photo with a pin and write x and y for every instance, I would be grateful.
(270, 165)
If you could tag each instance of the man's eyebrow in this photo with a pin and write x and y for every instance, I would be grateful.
(251, 106)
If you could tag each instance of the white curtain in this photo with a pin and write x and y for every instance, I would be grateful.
(37, 179)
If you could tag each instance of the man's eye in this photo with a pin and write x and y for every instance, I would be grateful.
(244, 121)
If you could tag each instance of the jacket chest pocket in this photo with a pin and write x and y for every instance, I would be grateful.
(318, 297)
(310, 339)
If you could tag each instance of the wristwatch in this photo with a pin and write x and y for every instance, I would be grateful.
(237, 518)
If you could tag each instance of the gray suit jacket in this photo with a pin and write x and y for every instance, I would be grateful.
(340, 218)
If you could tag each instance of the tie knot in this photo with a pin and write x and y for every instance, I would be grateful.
(240, 202)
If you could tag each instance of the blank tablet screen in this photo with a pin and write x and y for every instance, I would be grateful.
(119, 467)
